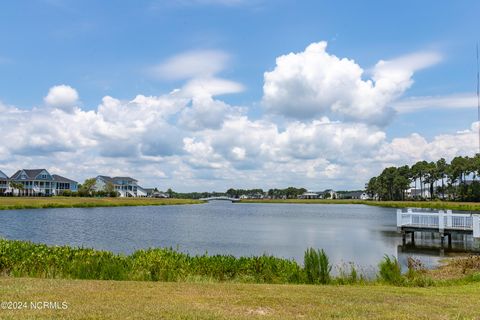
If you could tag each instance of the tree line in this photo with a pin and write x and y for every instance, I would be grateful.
(287, 193)
(457, 180)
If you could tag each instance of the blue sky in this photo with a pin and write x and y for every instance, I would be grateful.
(115, 48)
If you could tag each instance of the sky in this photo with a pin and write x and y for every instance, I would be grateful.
(204, 95)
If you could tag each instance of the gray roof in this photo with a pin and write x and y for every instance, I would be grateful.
(58, 178)
(3, 176)
(31, 173)
(124, 178)
(106, 179)
(114, 179)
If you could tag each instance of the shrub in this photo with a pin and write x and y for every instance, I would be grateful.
(390, 271)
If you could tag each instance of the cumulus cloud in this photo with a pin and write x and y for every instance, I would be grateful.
(62, 97)
(313, 82)
(190, 139)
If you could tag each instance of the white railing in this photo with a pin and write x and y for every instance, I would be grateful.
(440, 220)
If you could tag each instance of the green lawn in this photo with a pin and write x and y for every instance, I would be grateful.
(92, 299)
(469, 206)
(78, 202)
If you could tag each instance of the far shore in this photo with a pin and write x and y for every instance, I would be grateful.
(445, 205)
(9, 203)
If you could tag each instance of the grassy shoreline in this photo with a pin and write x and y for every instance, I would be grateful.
(10, 203)
(162, 283)
(465, 206)
(168, 300)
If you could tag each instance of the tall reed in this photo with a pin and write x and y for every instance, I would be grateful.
(317, 266)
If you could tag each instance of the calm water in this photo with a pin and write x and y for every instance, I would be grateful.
(362, 234)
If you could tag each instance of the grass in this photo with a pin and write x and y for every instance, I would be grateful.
(178, 286)
(27, 259)
(170, 300)
(22, 258)
(7, 203)
(452, 205)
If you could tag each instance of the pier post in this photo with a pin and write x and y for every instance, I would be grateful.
(399, 218)
(404, 237)
(476, 226)
(441, 222)
(449, 219)
(412, 237)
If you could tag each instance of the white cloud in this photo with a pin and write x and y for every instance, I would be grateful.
(210, 86)
(190, 140)
(62, 97)
(453, 101)
(192, 64)
(313, 82)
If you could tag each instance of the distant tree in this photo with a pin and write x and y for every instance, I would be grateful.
(17, 186)
(109, 189)
(87, 188)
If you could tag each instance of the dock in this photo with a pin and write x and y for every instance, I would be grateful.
(443, 222)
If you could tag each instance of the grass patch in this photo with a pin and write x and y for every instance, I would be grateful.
(9, 203)
(466, 206)
(90, 299)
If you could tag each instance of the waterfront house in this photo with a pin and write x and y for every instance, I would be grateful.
(155, 193)
(4, 187)
(413, 193)
(359, 195)
(124, 186)
(310, 195)
(39, 182)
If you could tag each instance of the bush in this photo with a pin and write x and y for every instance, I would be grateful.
(390, 271)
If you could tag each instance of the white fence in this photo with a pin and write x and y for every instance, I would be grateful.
(440, 220)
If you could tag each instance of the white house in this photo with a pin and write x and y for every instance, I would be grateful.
(418, 193)
(4, 188)
(125, 186)
(39, 182)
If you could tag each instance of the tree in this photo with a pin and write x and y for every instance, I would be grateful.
(17, 186)
(87, 188)
(442, 168)
(109, 189)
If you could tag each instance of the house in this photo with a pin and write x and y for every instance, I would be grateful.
(155, 193)
(413, 193)
(125, 186)
(361, 195)
(4, 187)
(39, 182)
(310, 195)
(328, 194)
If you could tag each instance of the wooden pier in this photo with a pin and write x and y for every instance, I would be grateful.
(443, 222)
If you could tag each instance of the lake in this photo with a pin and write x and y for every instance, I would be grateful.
(348, 233)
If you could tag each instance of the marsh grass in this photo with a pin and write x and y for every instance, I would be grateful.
(11, 203)
(27, 259)
(317, 266)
